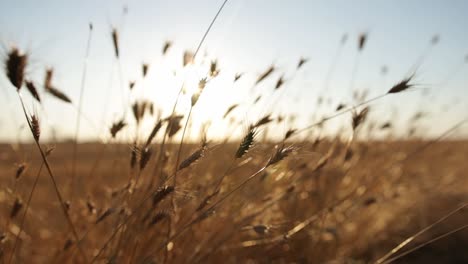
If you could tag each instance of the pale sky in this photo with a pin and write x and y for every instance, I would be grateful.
(248, 37)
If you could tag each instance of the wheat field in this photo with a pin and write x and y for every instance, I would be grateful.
(153, 185)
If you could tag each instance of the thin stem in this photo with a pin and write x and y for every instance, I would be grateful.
(340, 113)
(80, 105)
(420, 232)
(52, 177)
(426, 243)
(36, 180)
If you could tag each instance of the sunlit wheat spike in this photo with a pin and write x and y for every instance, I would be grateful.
(265, 74)
(239, 75)
(136, 111)
(402, 85)
(362, 41)
(257, 99)
(289, 133)
(35, 127)
(386, 125)
(194, 157)
(301, 62)
(229, 110)
(166, 47)
(281, 153)
(115, 41)
(246, 142)
(174, 125)
(263, 121)
(58, 94)
(104, 215)
(144, 69)
(15, 66)
(32, 89)
(16, 207)
(194, 98)
(131, 84)
(116, 127)
(48, 78)
(359, 117)
(214, 70)
(202, 83)
(188, 58)
(20, 169)
(161, 193)
(340, 107)
(145, 157)
(280, 82)
(153, 133)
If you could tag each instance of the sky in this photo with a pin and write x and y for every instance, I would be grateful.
(248, 37)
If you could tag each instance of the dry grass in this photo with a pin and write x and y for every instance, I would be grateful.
(319, 198)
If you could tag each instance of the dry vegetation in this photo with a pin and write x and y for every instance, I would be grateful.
(345, 198)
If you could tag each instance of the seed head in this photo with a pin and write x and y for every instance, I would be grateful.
(402, 85)
(214, 70)
(246, 142)
(265, 120)
(359, 117)
(32, 89)
(15, 66)
(237, 76)
(153, 133)
(144, 69)
(166, 47)
(301, 62)
(116, 127)
(280, 82)
(362, 41)
(16, 207)
(232, 107)
(35, 127)
(281, 153)
(289, 133)
(131, 84)
(188, 58)
(161, 193)
(20, 169)
(115, 41)
(58, 94)
(145, 157)
(194, 157)
(265, 74)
